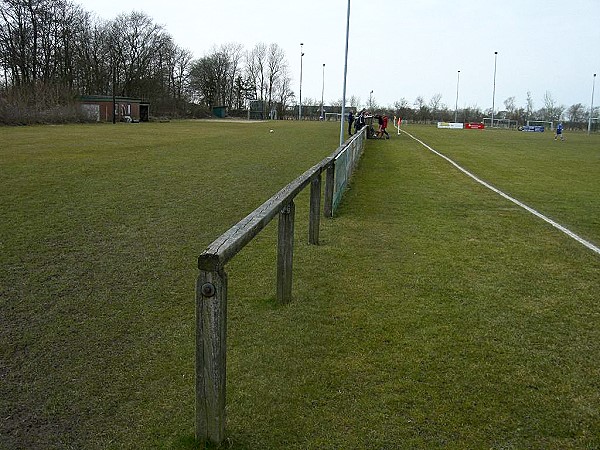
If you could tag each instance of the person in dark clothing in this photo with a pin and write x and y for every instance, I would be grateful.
(559, 132)
(350, 122)
(380, 130)
(360, 120)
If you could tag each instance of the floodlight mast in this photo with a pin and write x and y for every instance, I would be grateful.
(345, 74)
(456, 104)
(591, 106)
(300, 105)
(494, 93)
(323, 94)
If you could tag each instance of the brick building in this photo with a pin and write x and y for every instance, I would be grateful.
(127, 109)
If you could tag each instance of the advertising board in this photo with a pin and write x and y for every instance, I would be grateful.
(474, 126)
(533, 128)
(450, 125)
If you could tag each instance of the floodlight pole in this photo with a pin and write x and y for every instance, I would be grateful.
(591, 106)
(323, 94)
(456, 104)
(494, 94)
(371, 99)
(114, 82)
(300, 105)
(345, 74)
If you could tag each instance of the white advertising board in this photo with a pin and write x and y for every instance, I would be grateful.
(450, 125)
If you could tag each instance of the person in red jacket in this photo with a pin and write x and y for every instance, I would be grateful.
(384, 126)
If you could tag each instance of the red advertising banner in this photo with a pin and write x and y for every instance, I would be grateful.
(474, 126)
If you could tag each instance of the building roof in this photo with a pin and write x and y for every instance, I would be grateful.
(109, 98)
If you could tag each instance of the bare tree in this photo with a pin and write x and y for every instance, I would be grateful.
(422, 112)
(283, 93)
(136, 40)
(39, 50)
(372, 103)
(235, 53)
(255, 68)
(209, 78)
(276, 64)
(576, 113)
(510, 106)
(174, 73)
(434, 103)
(529, 108)
(353, 102)
(402, 108)
(551, 111)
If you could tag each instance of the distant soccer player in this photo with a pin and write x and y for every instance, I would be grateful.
(559, 132)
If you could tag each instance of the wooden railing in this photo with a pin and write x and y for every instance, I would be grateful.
(211, 286)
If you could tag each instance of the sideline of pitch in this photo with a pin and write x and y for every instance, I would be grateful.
(508, 197)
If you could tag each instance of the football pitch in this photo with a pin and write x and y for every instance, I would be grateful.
(434, 314)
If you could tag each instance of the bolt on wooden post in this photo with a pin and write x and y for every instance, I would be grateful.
(211, 336)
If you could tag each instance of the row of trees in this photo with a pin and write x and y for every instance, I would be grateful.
(434, 110)
(230, 76)
(51, 51)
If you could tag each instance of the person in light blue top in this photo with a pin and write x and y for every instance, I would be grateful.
(559, 132)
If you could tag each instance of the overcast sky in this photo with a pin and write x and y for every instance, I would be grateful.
(403, 49)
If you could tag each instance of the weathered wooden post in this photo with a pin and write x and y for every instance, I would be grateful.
(211, 337)
(329, 181)
(315, 210)
(285, 253)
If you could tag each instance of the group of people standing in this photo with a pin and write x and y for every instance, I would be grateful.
(360, 121)
(357, 122)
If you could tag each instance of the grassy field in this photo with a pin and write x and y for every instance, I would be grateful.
(435, 314)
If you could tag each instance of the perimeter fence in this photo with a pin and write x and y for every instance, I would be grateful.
(211, 285)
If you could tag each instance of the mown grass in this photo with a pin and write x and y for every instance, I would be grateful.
(561, 177)
(101, 227)
(434, 315)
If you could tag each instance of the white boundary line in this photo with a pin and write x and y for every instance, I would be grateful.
(508, 197)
